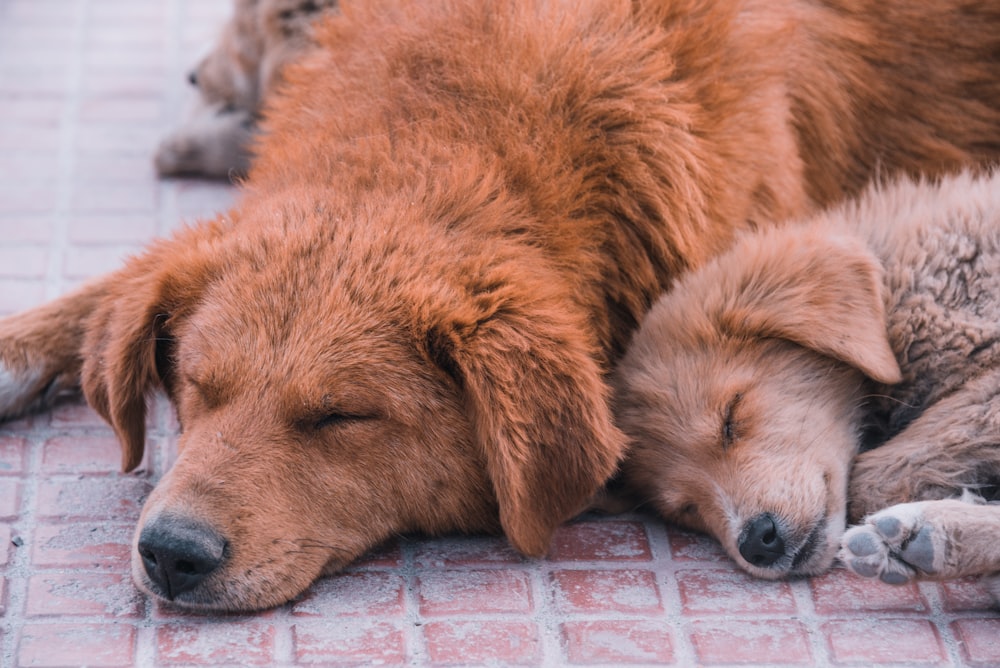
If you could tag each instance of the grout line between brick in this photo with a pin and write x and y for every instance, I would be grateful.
(56, 282)
(19, 569)
(941, 621)
(666, 571)
(413, 622)
(547, 618)
(806, 605)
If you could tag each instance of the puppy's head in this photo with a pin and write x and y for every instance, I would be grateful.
(337, 387)
(253, 47)
(228, 76)
(286, 30)
(741, 393)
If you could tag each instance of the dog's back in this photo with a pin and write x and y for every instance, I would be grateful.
(917, 82)
(660, 143)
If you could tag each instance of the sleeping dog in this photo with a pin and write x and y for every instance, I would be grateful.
(750, 388)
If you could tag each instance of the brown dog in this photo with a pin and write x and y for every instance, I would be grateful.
(243, 67)
(745, 389)
(458, 215)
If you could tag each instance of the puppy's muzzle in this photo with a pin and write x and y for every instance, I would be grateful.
(179, 553)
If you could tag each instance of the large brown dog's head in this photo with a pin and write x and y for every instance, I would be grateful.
(741, 392)
(337, 385)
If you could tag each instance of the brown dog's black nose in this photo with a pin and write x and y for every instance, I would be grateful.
(193, 77)
(179, 553)
(760, 541)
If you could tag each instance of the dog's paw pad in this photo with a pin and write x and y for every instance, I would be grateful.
(889, 526)
(865, 569)
(863, 544)
(894, 577)
(894, 545)
(921, 551)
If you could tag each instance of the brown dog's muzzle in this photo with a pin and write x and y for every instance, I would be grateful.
(179, 553)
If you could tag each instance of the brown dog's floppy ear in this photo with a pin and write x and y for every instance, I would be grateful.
(538, 403)
(126, 346)
(813, 287)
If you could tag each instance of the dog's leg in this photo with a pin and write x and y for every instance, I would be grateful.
(927, 540)
(953, 445)
(40, 351)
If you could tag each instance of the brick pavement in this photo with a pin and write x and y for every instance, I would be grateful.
(86, 89)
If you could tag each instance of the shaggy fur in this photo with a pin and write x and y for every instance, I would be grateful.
(749, 388)
(459, 213)
(242, 68)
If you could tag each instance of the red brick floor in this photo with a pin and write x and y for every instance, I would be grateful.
(86, 89)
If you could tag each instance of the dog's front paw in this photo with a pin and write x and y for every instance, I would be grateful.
(895, 545)
(40, 358)
(26, 387)
(18, 390)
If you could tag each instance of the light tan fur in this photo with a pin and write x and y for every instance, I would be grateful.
(750, 387)
(458, 214)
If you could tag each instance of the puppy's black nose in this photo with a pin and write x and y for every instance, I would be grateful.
(179, 553)
(193, 77)
(761, 543)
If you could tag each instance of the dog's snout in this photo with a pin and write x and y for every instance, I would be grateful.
(178, 554)
(761, 542)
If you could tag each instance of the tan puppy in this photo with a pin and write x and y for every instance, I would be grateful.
(750, 387)
(244, 66)
(458, 214)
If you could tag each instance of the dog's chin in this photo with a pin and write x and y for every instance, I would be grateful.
(221, 595)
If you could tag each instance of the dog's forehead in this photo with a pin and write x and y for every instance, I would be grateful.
(262, 323)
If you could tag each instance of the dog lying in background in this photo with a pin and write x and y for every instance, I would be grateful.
(751, 385)
(244, 66)
(457, 214)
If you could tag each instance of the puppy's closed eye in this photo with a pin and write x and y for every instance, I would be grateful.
(729, 433)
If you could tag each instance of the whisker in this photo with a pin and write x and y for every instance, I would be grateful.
(888, 398)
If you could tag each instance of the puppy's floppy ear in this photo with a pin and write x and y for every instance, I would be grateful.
(538, 403)
(126, 349)
(811, 286)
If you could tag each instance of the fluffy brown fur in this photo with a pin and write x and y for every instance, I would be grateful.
(748, 389)
(459, 213)
(241, 69)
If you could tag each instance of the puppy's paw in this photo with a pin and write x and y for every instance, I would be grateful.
(214, 143)
(178, 154)
(895, 545)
